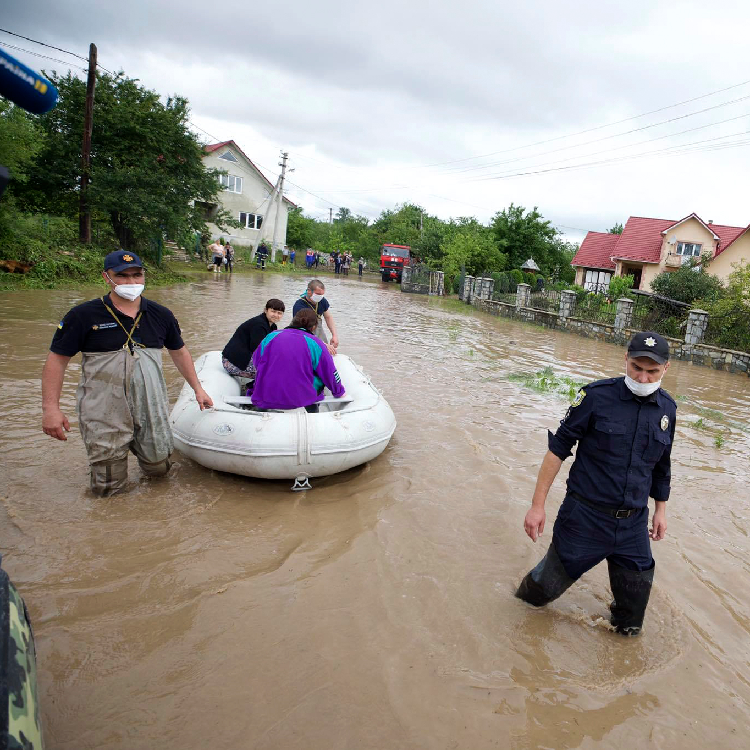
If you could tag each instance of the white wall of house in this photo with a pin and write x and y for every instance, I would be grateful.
(246, 196)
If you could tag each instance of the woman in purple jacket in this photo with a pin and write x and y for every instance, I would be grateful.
(293, 366)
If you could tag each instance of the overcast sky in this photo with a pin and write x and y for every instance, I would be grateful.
(445, 104)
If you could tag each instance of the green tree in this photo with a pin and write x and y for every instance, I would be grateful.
(300, 229)
(521, 235)
(689, 283)
(471, 248)
(21, 140)
(146, 165)
(616, 229)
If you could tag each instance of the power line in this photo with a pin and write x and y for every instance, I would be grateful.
(588, 130)
(37, 54)
(59, 49)
(605, 138)
(44, 44)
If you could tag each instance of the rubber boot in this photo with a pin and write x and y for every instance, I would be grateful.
(158, 469)
(108, 477)
(547, 581)
(631, 590)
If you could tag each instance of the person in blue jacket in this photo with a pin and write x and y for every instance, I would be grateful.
(624, 428)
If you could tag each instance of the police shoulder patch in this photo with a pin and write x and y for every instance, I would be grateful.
(664, 424)
(579, 397)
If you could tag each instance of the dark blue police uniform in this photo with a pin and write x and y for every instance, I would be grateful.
(623, 457)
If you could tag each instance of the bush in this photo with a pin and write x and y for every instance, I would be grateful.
(689, 283)
(539, 282)
(620, 286)
(729, 317)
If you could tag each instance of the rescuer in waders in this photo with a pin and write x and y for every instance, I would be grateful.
(122, 396)
(314, 299)
(624, 428)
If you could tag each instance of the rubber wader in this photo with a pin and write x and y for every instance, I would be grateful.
(122, 406)
(319, 332)
(631, 590)
(547, 581)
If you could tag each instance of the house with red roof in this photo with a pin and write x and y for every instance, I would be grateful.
(648, 247)
(248, 196)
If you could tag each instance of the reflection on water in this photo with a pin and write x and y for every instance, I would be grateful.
(209, 610)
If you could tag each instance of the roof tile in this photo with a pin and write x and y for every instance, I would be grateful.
(596, 250)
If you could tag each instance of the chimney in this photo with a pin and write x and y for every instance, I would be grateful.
(710, 221)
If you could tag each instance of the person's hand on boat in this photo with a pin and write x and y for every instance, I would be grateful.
(203, 399)
(55, 424)
(331, 349)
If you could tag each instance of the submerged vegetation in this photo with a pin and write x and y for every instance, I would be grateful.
(547, 381)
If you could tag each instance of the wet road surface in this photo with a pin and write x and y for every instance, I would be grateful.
(376, 611)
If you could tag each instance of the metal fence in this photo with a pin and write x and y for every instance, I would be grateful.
(596, 308)
(655, 313)
(547, 299)
(508, 297)
(730, 330)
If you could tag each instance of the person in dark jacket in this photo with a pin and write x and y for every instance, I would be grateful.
(237, 356)
(293, 366)
(624, 428)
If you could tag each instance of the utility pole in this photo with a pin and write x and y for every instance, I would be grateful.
(330, 216)
(84, 214)
(279, 203)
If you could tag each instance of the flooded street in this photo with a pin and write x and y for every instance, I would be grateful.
(208, 610)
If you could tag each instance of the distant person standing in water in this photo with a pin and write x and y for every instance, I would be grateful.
(361, 266)
(624, 428)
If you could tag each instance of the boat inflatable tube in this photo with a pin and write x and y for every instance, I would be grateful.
(275, 444)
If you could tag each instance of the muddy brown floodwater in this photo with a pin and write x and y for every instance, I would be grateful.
(375, 611)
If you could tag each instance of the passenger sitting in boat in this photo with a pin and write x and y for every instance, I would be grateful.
(237, 356)
(292, 367)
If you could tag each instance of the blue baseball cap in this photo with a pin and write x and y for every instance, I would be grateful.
(120, 260)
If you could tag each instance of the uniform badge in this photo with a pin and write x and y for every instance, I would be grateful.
(128, 258)
(579, 397)
(650, 341)
(664, 424)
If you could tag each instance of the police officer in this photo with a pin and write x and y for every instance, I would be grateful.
(625, 428)
(122, 396)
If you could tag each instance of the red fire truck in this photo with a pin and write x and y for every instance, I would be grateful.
(393, 258)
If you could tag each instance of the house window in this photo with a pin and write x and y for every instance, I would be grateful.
(597, 281)
(250, 221)
(231, 183)
(229, 156)
(688, 250)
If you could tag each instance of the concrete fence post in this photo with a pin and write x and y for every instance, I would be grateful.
(567, 303)
(489, 288)
(623, 314)
(406, 276)
(523, 296)
(697, 323)
(468, 286)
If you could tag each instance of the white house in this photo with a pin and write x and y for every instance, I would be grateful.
(247, 195)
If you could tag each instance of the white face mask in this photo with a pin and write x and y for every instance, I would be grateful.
(316, 298)
(641, 389)
(129, 292)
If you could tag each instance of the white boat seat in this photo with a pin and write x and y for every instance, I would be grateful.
(240, 400)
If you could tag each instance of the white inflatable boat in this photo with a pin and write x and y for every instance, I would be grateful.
(289, 444)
